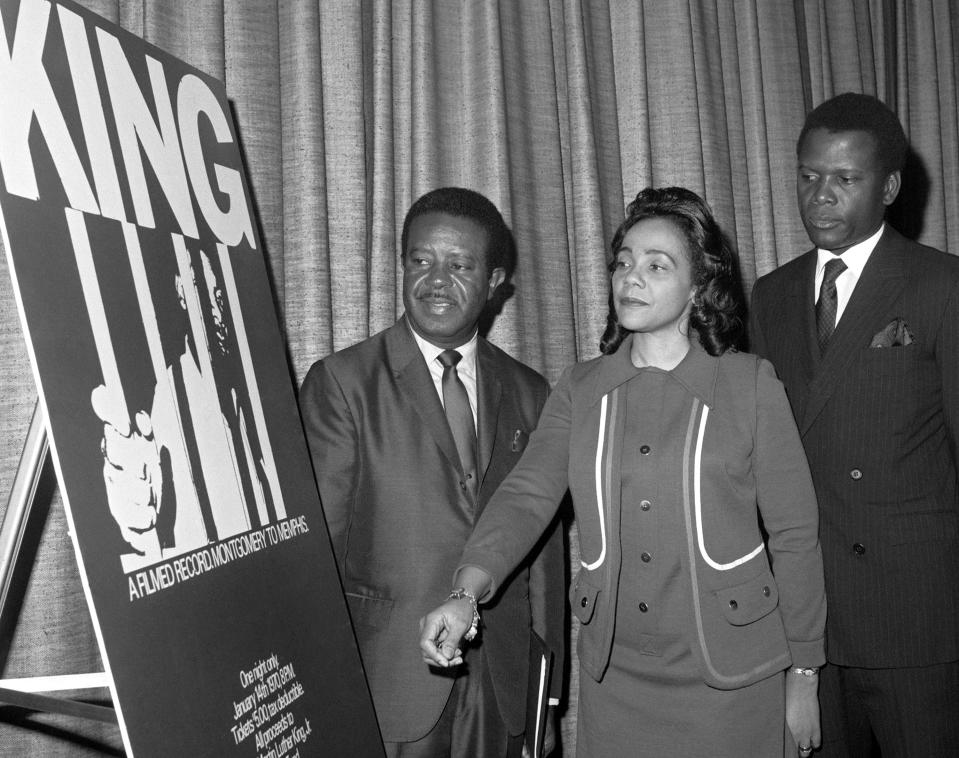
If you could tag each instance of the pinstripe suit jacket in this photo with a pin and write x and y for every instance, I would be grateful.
(880, 427)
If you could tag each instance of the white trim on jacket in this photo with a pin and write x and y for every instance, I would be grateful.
(600, 444)
(699, 505)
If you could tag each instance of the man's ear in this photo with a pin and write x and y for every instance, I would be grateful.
(890, 188)
(495, 280)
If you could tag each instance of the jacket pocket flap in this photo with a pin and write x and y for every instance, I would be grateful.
(750, 601)
(369, 611)
(583, 600)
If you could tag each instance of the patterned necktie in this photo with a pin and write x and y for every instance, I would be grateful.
(826, 305)
(459, 415)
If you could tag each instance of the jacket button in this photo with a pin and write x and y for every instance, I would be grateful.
(644, 505)
(859, 548)
(733, 604)
(766, 591)
(584, 602)
(643, 607)
(644, 449)
(646, 557)
(856, 474)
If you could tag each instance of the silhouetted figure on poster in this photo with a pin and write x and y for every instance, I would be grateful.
(189, 470)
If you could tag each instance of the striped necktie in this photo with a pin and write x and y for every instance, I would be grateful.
(826, 305)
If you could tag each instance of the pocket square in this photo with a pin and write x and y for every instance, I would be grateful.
(894, 334)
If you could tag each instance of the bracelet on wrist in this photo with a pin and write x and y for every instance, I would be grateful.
(458, 594)
(811, 671)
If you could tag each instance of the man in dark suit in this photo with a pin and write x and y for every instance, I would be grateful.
(405, 462)
(864, 332)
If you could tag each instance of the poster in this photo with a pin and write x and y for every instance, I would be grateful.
(144, 298)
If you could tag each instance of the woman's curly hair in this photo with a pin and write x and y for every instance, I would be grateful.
(718, 308)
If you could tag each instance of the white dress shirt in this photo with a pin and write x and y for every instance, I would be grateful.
(466, 368)
(855, 259)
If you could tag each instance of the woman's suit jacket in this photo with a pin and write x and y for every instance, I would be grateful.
(391, 486)
(740, 448)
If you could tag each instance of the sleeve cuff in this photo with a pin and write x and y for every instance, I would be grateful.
(807, 654)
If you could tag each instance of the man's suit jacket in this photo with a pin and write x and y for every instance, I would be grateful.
(390, 482)
(880, 426)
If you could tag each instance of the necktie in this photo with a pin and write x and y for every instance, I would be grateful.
(826, 306)
(459, 415)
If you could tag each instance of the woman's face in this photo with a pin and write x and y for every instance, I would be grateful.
(652, 278)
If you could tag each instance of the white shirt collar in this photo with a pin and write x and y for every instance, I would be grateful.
(430, 353)
(854, 257)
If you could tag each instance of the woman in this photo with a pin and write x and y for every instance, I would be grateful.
(675, 447)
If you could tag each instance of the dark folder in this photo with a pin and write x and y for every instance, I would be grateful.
(537, 693)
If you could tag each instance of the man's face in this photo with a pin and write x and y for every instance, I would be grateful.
(445, 282)
(842, 188)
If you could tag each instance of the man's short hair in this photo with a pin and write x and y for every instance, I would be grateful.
(467, 203)
(851, 111)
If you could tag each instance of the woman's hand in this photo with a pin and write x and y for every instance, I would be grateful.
(802, 711)
(442, 632)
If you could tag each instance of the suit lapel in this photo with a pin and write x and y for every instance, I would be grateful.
(413, 378)
(804, 291)
(879, 286)
(789, 329)
(489, 391)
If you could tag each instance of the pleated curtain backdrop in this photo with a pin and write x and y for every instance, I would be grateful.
(559, 111)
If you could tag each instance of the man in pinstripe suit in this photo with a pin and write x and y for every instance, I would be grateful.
(868, 349)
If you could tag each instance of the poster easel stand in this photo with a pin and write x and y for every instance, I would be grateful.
(23, 522)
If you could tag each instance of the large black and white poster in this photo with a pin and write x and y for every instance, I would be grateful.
(145, 301)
